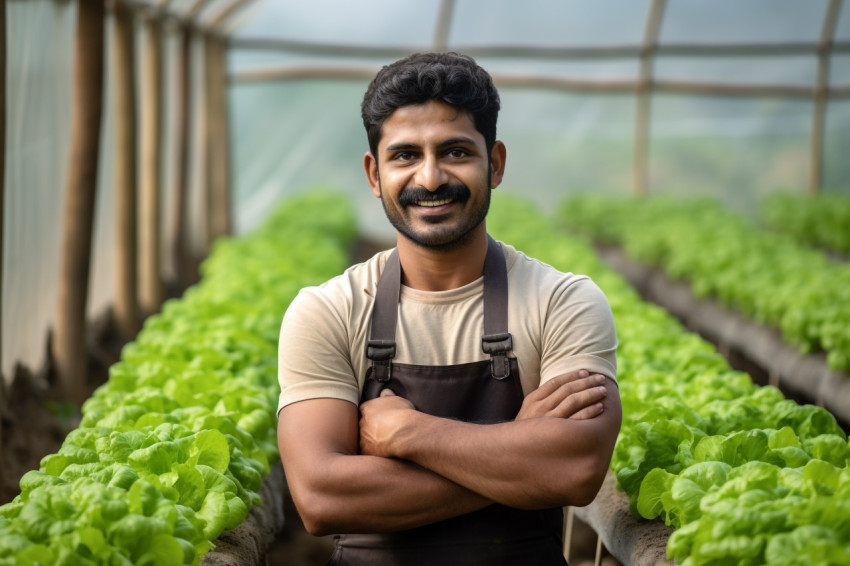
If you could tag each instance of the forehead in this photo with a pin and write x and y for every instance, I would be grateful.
(430, 122)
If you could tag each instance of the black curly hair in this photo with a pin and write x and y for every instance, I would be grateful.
(453, 78)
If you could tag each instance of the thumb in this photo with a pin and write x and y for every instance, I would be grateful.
(387, 392)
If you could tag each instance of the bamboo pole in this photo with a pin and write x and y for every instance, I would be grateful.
(444, 24)
(551, 53)
(643, 97)
(180, 191)
(2, 198)
(68, 345)
(217, 187)
(205, 133)
(597, 86)
(126, 238)
(184, 263)
(821, 93)
(151, 290)
(219, 22)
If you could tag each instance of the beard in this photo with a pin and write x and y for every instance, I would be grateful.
(440, 235)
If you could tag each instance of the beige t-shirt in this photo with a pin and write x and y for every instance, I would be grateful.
(560, 322)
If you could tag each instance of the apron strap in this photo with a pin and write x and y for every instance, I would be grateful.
(497, 342)
(380, 348)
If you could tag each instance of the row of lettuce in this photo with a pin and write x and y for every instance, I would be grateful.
(821, 220)
(744, 475)
(768, 276)
(171, 451)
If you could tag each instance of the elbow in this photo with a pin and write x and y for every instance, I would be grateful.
(316, 515)
(315, 525)
(587, 480)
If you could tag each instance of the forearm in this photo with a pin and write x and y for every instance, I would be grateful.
(561, 466)
(368, 494)
(337, 490)
(539, 462)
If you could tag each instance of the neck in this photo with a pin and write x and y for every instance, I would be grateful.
(428, 269)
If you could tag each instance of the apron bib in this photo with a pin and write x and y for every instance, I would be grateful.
(482, 392)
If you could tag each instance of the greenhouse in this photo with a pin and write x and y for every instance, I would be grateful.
(171, 184)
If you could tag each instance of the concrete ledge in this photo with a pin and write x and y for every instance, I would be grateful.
(247, 544)
(632, 542)
(805, 376)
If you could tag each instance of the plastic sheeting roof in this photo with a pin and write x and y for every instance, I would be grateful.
(299, 69)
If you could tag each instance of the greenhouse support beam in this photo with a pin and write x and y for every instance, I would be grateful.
(178, 243)
(640, 180)
(2, 198)
(444, 25)
(220, 21)
(68, 344)
(821, 93)
(578, 53)
(217, 186)
(123, 72)
(151, 290)
(196, 9)
(290, 72)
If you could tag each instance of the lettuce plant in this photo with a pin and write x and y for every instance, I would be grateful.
(743, 474)
(172, 450)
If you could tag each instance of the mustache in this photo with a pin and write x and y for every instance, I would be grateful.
(413, 195)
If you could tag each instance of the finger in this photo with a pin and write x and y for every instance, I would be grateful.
(387, 392)
(557, 396)
(550, 386)
(589, 412)
(579, 401)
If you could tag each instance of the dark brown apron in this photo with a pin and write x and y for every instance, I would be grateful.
(481, 392)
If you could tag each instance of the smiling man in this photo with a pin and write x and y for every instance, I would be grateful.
(444, 400)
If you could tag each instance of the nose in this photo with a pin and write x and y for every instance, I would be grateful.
(431, 174)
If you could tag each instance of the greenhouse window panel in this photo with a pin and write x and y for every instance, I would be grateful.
(751, 22)
(365, 23)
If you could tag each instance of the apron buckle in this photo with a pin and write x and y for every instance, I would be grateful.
(498, 346)
(381, 352)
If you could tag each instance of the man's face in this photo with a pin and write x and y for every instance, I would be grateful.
(433, 174)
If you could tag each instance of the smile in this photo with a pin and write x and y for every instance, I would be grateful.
(434, 203)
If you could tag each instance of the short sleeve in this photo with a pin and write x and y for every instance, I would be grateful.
(314, 351)
(579, 331)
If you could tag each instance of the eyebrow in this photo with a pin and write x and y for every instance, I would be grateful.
(462, 140)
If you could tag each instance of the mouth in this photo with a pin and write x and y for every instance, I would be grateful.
(433, 203)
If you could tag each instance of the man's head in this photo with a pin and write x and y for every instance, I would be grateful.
(451, 78)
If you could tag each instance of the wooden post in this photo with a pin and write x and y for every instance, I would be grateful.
(69, 344)
(219, 217)
(180, 191)
(207, 128)
(126, 237)
(444, 24)
(644, 98)
(821, 94)
(2, 195)
(218, 180)
(151, 290)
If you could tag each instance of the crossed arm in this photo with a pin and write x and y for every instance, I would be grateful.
(388, 467)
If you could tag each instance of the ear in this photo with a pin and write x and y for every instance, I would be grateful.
(497, 163)
(370, 165)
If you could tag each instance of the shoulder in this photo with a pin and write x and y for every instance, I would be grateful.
(530, 275)
(342, 293)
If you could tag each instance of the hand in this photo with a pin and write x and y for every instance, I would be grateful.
(574, 395)
(379, 419)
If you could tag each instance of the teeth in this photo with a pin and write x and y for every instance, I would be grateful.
(432, 203)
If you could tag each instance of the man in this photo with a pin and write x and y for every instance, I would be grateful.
(442, 402)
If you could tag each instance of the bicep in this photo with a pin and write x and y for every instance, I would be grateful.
(312, 433)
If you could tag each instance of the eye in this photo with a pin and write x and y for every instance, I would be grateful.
(403, 156)
(456, 153)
